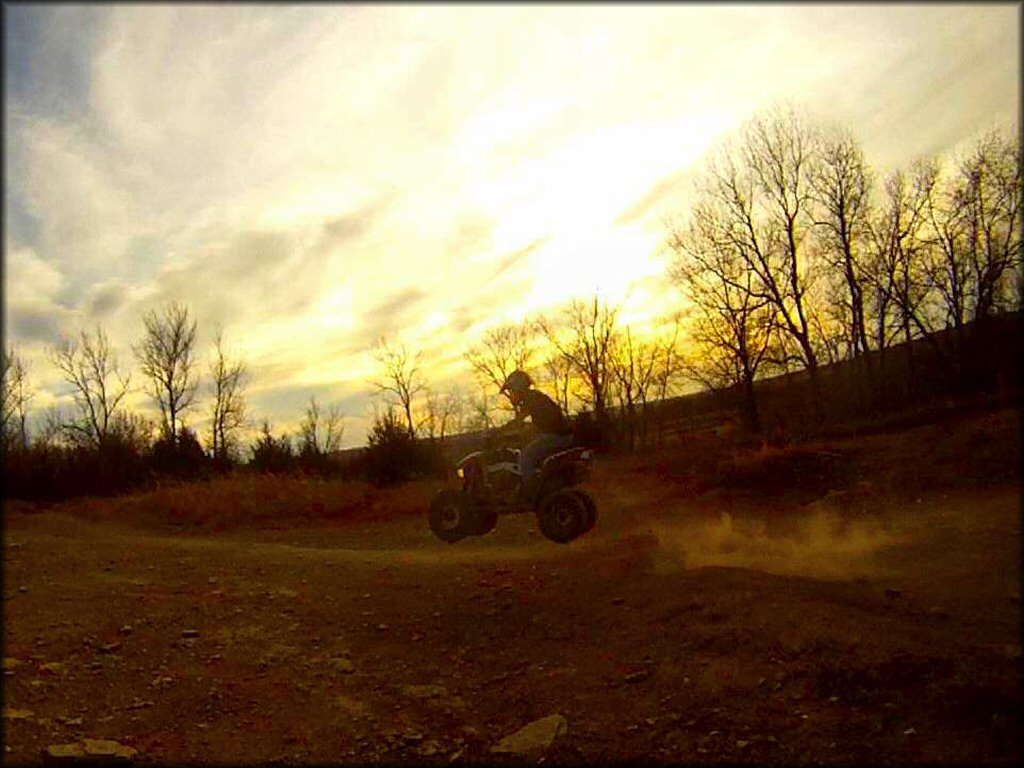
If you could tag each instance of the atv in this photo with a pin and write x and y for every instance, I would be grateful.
(491, 487)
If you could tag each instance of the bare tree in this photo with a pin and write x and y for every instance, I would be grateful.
(669, 362)
(99, 387)
(558, 372)
(481, 408)
(634, 363)
(841, 182)
(755, 199)
(944, 265)
(165, 356)
(53, 431)
(584, 338)
(9, 394)
(896, 273)
(17, 393)
(441, 413)
(990, 188)
(733, 323)
(321, 433)
(829, 320)
(668, 367)
(401, 377)
(772, 208)
(972, 262)
(503, 349)
(227, 412)
(880, 278)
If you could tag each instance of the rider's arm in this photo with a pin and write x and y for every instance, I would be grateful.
(515, 424)
(508, 426)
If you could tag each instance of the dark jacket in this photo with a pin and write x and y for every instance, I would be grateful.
(545, 414)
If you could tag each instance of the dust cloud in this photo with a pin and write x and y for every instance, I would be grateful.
(818, 545)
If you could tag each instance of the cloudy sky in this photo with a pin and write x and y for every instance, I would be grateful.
(310, 178)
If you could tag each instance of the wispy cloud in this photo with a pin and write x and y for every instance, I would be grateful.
(654, 198)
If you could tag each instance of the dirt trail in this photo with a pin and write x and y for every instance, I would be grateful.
(679, 629)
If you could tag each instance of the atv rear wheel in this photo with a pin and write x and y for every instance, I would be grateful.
(451, 516)
(562, 516)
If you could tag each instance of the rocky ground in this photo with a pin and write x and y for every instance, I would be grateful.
(862, 620)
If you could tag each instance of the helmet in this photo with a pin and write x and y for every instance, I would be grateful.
(517, 381)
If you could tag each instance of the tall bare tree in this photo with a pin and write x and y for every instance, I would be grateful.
(99, 387)
(758, 190)
(841, 182)
(503, 349)
(401, 376)
(228, 410)
(17, 393)
(779, 154)
(583, 335)
(165, 356)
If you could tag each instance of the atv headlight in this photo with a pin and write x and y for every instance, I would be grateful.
(460, 472)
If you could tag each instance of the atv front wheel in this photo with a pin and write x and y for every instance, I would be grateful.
(562, 516)
(451, 517)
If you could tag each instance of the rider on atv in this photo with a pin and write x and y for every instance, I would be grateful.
(554, 431)
(546, 480)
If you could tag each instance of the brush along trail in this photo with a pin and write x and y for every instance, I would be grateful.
(868, 614)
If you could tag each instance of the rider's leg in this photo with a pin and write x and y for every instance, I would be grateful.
(532, 456)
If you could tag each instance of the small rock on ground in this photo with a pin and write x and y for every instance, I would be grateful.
(105, 748)
(533, 738)
(90, 750)
(61, 752)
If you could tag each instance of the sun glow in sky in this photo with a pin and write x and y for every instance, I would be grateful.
(309, 178)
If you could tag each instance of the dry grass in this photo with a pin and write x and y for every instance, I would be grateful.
(255, 501)
(951, 450)
(709, 462)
